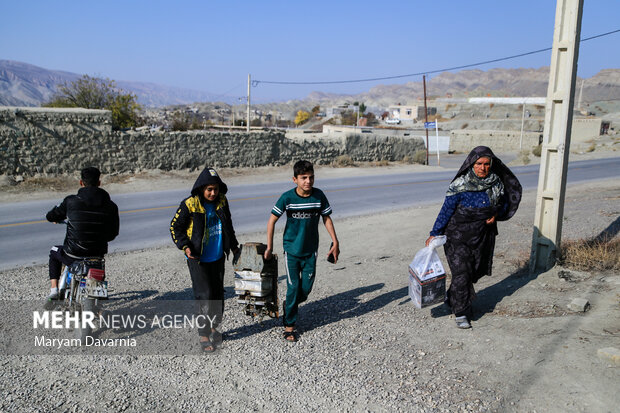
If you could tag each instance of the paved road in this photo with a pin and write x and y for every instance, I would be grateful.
(25, 236)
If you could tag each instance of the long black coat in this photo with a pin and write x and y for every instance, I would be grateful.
(470, 240)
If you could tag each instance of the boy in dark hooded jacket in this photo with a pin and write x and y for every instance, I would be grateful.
(202, 228)
(92, 221)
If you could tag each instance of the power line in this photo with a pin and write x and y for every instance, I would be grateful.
(428, 72)
(228, 91)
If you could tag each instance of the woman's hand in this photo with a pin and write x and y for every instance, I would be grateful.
(491, 220)
(188, 253)
(429, 239)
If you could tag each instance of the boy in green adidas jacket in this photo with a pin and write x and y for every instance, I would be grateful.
(303, 206)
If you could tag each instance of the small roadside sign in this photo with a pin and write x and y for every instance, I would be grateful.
(429, 125)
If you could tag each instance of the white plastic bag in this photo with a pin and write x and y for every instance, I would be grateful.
(426, 263)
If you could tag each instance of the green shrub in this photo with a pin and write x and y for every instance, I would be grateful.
(96, 93)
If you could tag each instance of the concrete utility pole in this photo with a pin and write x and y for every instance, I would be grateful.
(248, 119)
(425, 117)
(522, 124)
(556, 138)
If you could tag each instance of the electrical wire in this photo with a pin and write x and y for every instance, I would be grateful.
(228, 91)
(428, 72)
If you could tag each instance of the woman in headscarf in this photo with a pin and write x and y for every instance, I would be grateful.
(483, 192)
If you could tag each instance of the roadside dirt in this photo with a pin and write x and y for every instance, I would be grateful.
(363, 347)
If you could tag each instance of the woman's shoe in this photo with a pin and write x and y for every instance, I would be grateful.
(462, 322)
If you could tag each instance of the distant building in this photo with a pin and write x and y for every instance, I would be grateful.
(337, 110)
(410, 113)
(509, 101)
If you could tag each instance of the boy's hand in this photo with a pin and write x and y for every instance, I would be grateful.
(188, 253)
(335, 251)
(268, 254)
(236, 253)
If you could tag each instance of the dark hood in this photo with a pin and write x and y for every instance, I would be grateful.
(93, 196)
(512, 186)
(207, 177)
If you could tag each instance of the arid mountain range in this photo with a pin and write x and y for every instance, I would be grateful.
(495, 82)
(22, 84)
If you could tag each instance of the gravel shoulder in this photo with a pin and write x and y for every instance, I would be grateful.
(363, 346)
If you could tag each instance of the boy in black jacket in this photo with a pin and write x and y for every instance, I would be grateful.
(92, 222)
(202, 228)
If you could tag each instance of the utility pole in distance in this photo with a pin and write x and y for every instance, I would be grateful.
(556, 138)
(248, 117)
(425, 116)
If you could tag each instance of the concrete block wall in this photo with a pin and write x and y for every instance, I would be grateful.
(585, 129)
(346, 130)
(499, 141)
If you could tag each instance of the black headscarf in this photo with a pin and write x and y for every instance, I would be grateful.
(512, 186)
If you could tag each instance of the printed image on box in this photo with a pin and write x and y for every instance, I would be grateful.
(427, 276)
(429, 292)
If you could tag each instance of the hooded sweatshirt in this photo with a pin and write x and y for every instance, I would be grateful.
(92, 221)
(188, 226)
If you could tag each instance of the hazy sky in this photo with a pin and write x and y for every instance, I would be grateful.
(213, 45)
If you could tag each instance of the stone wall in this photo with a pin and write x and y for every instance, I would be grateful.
(52, 141)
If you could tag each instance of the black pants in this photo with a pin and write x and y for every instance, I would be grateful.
(58, 257)
(208, 287)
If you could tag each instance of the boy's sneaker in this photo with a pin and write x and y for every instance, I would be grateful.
(52, 300)
(462, 322)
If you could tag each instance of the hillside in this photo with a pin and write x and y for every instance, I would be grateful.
(470, 83)
(23, 84)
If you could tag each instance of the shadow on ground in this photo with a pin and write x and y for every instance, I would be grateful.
(328, 310)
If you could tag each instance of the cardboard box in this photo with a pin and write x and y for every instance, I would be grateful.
(431, 290)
